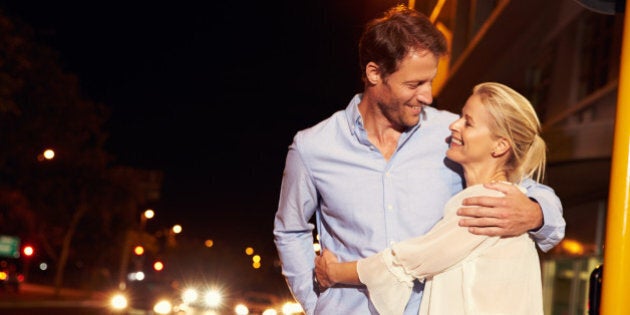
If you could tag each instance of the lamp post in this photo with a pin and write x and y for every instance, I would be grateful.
(176, 229)
(132, 237)
(47, 154)
(146, 215)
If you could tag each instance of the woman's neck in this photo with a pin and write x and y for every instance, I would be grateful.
(474, 177)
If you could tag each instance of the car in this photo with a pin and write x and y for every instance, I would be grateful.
(262, 303)
(200, 298)
(10, 275)
(147, 296)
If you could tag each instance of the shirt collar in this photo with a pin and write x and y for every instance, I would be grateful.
(356, 121)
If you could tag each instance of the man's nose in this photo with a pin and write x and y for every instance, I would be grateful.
(425, 95)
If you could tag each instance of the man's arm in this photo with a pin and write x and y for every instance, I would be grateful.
(539, 213)
(293, 235)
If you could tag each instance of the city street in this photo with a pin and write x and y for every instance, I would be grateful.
(37, 299)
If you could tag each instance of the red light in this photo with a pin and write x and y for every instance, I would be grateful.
(28, 251)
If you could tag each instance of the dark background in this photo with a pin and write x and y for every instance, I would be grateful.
(211, 94)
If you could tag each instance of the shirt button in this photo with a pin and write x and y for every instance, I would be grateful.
(389, 207)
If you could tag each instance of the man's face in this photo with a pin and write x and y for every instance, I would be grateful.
(402, 94)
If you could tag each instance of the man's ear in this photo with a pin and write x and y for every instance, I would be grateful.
(372, 73)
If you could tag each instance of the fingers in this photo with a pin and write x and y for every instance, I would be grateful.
(488, 231)
(508, 189)
(482, 212)
(322, 263)
(482, 222)
(485, 201)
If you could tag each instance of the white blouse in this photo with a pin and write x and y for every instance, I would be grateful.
(463, 273)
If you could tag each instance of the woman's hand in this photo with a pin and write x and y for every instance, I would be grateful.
(324, 269)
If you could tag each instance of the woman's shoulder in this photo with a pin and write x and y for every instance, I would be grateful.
(482, 190)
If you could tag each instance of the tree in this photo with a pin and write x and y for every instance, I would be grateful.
(41, 106)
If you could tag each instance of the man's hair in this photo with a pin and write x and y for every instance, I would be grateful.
(388, 39)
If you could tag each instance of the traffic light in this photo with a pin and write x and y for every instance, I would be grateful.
(28, 251)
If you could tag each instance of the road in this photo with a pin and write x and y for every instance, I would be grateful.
(37, 299)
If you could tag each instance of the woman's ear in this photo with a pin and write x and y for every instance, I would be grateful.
(501, 147)
(372, 73)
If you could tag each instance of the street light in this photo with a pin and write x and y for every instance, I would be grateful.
(146, 215)
(149, 213)
(132, 237)
(47, 154)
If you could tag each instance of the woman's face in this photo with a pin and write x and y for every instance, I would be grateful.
(472, 142)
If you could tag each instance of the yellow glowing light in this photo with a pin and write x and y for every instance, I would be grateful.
(49, 154)
(249, 251)
(256, 258)
(149, 213)
(317, 247)
(572, 247)
(209, 243)
(158, 266)
(177, 228)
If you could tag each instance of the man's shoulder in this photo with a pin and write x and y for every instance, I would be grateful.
(324, 129)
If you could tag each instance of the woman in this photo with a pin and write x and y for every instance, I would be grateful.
(497, 138)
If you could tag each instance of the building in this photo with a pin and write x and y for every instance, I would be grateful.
(565, 58)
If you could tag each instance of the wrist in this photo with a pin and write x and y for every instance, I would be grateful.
(333, 273)
(540, 219)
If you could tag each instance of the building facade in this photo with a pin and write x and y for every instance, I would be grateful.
(565, 59)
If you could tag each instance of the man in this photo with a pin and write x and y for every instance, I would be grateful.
(375, 173)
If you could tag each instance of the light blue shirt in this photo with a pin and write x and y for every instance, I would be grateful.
(364, 203)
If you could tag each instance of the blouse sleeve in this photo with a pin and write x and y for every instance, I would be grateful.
(389, 286)
(445, 245)
(389, 274)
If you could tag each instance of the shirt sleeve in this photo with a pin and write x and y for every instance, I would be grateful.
(552, 231)
(293, 235)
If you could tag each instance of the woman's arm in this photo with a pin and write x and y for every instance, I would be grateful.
(329, 271)
(445, 245)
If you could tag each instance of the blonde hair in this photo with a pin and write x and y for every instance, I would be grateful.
(516, 121)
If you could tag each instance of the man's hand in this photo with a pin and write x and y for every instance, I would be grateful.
(322, 269)
(511, 215)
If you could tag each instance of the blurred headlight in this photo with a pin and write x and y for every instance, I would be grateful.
(163, 307)
(292, 308)
(270, 311)
(118, 302)
(213, 298)
(190, 296)
(241, 309)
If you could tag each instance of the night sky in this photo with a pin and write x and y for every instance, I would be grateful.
(211, 94)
